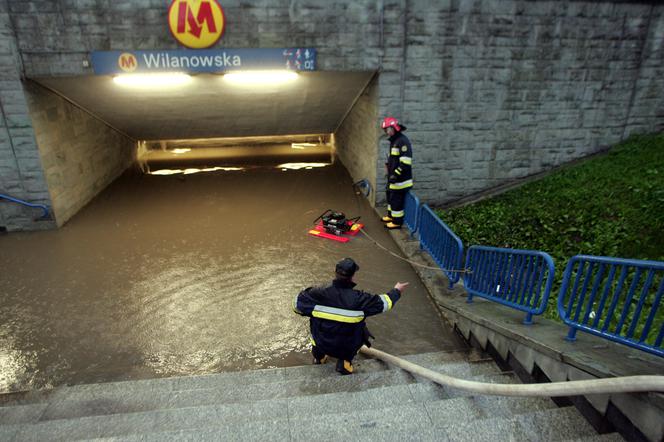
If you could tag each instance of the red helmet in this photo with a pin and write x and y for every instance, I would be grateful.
(390, 122)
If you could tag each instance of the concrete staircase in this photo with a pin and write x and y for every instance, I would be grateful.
(378, 402)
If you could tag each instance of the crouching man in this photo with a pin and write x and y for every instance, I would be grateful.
(337, 315)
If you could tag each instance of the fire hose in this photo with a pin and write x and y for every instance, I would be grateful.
(626, 384)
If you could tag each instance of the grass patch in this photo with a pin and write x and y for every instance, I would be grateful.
(611, 205)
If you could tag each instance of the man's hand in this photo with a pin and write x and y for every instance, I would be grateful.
(401, 286)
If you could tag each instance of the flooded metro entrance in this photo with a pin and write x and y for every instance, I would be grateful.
(187, 274)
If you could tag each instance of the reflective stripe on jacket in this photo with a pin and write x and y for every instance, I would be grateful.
(337, 315)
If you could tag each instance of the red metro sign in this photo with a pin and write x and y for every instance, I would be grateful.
(196, 24)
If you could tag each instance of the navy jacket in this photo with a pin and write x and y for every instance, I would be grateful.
(337, 315)
(399, 162)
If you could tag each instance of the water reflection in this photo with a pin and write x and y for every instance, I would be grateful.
(191, 170)
(298, 166)
(165, 276)
(12, 366)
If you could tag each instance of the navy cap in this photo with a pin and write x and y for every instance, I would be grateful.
(347, 267)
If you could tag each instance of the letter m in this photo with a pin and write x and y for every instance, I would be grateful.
(127, 62)
(186, 17)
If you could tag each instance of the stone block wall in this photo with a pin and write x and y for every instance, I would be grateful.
(357, 136)
(491, 90)
(498, 90)
(80, 155)
(21, 172)
(646, 109)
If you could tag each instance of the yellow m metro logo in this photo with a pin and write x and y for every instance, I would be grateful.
(196, 24)
(127, 62)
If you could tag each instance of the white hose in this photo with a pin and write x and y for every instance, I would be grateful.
(626, 384)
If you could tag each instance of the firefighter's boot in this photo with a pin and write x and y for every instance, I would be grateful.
(391, 226)
(344, 367)
(322, 360)
(386, 219)
(319, 356)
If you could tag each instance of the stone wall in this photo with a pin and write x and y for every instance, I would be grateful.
(357, 136)
(80, 154)
(491, 90)
(21, 173)
(498, 90)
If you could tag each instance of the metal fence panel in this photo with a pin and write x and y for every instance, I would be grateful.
(521, 279)
(615, 298)
(442, 244)
(411, 208)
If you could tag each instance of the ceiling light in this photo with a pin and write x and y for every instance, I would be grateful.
(152, 80)
(260, 77)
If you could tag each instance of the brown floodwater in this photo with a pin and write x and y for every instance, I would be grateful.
(165, 275)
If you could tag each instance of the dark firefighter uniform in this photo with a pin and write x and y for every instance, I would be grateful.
(399, 176)
(337, 315)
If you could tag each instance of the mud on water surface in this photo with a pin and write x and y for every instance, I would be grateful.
(190, 274)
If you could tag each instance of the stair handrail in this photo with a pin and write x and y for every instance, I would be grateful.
(624, 384)
(45, 215)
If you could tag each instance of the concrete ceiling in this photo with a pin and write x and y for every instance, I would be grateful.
(208, 106)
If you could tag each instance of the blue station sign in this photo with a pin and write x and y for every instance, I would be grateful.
(202, 60)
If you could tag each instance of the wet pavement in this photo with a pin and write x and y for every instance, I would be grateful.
(190, 274)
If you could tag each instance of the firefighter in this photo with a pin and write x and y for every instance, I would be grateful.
(399, 172)
(337, 315)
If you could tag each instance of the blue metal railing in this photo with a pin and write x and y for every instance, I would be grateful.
(617, 299)
(45, 215)
(521, 279)
(411, 208)
(442, 244)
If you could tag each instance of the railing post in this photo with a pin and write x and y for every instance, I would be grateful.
(529, 319)
(571, 335)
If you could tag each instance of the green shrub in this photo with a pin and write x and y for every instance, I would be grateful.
(609, 205)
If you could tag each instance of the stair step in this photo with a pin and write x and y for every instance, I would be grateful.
(392, 423)
(379, 402)
(82, 403)
(502, 406)
(437, 357)
(556, 424)
(609, 437)
(24, 397)
(464, 370)
(149, 422)
(232, 379)
(468, 423)
(425, 390)
(486, 407)
(273, 430)
(210, 381)
(333, 403)
(8, 432)
(403, 422)
(483, 430)
(326, 370)
(21, 413)
(443, 358)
